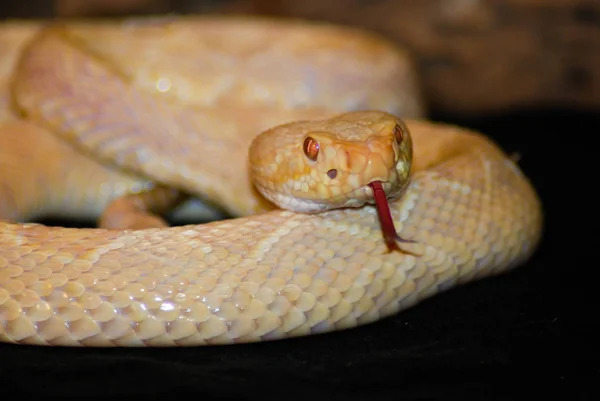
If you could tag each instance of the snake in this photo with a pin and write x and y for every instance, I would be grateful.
(343, 203)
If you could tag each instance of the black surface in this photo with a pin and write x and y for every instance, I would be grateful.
(528, 334)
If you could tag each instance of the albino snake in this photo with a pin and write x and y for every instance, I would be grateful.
(90, 113)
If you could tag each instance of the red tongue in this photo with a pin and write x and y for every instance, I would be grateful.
(385, 218)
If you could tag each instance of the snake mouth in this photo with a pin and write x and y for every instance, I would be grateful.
(388, 229)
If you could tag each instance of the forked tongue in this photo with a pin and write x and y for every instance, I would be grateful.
(385, 218)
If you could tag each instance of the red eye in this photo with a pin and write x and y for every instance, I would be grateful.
(311, 148)
(398, 133)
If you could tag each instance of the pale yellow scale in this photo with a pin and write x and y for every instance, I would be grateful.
(115, 108)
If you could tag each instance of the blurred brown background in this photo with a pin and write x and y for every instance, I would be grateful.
(475, 56)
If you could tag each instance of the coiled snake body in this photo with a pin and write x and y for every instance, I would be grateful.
(92, 113)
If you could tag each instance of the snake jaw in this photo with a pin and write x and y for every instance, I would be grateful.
(388, 229)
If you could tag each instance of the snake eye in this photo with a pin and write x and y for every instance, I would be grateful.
(398, 134)
(311, 148)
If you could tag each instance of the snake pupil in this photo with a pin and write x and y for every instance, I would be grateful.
(398, 133)
(332, 173)
(311, 148)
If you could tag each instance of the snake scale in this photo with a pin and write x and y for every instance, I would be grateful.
(95, 113)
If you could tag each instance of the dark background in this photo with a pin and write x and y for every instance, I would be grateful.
(528, 334)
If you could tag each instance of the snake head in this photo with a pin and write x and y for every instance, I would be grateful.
(314, 166)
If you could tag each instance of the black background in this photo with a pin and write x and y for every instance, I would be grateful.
(528, 334)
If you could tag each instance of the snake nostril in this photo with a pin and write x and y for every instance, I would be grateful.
(332, 173)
